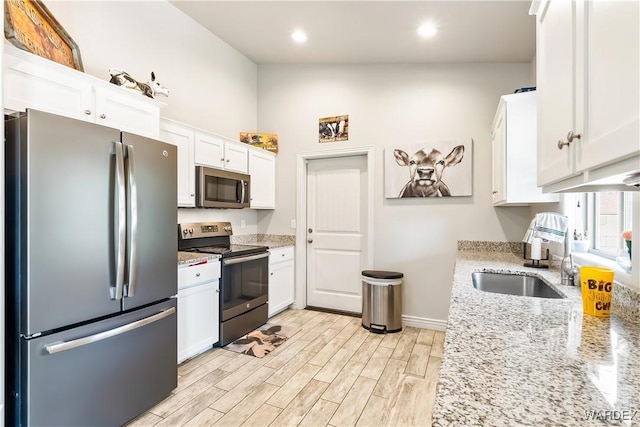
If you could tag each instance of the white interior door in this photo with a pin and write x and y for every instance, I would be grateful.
(336, 232)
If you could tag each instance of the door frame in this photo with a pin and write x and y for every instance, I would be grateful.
(301, 210)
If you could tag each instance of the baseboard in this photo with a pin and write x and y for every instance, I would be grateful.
(421, 322)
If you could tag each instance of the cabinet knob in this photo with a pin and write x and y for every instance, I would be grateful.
(282, 254)
(191, 195)
(227, 160)
(271, 273)
(494, 192)
(197, 274)
(218, 290)
(102, 116)
(309, 240)
(87, 112)
(570, 137)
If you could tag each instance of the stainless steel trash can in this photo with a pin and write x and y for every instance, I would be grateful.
(382, 301)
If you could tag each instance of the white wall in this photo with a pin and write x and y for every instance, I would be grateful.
(213, 86)
(388, 106)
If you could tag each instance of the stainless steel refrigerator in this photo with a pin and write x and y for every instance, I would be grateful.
(90, 272)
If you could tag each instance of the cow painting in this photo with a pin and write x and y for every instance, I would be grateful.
(428, 169)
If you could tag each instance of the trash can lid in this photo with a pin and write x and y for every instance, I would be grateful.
(378, 274)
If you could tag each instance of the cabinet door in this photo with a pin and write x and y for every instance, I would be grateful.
(612, 83)
(30, 82)
(498, 144)
(127, 111)
(198, 318)
(209, 150)
(262, 168)
(555, 87)
(182, 137)
(281, 287)
(236, 156)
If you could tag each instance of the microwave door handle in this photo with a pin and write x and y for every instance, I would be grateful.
(120, 225)
(132, 221)
(242, 184)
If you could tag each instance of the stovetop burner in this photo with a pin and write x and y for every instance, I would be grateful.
(213, 238)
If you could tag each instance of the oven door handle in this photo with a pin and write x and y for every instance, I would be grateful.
(238, 260)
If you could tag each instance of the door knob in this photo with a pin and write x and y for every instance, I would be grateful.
(310, 230)
(309, 240)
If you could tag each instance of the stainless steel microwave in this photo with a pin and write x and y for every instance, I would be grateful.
(216, 188)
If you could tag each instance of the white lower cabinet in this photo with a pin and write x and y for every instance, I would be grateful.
(281, 279)
(198, 309)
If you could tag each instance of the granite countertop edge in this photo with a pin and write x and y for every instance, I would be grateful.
(511, 360)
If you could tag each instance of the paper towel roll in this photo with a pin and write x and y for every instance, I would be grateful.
(536, 248)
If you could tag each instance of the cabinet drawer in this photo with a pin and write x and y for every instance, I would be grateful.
(196, 274)
(281, 254)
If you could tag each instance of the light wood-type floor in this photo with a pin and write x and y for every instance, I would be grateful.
(331, 371)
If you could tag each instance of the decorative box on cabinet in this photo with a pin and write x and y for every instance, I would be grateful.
(30, 81)
(198, 308)
(588, 80)
(513, 138)
(281, 279)
(262, 168)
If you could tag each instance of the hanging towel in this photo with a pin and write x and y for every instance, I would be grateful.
(549, 226)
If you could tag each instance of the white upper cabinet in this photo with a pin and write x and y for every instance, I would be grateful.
(262, 168)
(183, 137)
(236, 156)
(588, 79)
(513, 139)
(30, 81)
(209, 150)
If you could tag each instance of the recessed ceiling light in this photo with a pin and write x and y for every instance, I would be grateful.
(299, 36)
(427, 30)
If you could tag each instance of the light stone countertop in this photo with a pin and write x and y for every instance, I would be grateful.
(272, 241)
(511, 360)
(190, 258)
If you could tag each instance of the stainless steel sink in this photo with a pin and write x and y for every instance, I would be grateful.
(513, 284)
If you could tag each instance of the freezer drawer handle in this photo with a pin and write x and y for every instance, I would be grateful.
(244, 259)
(68, 345)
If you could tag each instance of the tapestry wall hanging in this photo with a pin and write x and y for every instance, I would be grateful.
(433, 169)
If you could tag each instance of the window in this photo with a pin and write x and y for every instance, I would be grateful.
(608, 214)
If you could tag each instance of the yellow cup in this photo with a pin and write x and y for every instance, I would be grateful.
(596, 284)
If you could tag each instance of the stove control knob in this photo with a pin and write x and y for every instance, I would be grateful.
(191, 231)
(185, 232)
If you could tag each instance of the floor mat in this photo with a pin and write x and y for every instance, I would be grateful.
(260, 342)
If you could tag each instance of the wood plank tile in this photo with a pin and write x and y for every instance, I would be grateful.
(351, 407)
(350, 329)
(418, 360)
(144, 420)
(201, 371)
(192, 408)
(205, 418)
(237, 362)
(390, 377)
(375, 412)
(433, 369)
(333, 367)
(390, 340)
(404, 347)
(301, 404)
(177, 400)
(413, 404)
(320, 414)
(251, 365)
(410, 331)
(263, 416)
(343, 382)
(240, 391)
(376, 364)
(289, 369)
(425, 336)
(248, 406)
(190, 364)
(279, 359)
(368, 347)
(438, 344)
(356, 340)
(288, 392)
(327, 352)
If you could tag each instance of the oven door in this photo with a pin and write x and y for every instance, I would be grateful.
(217, 188)
(245, 284)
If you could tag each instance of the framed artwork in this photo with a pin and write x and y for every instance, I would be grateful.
(30, 26)
(332, 129)
(432, 169)
(266, 141)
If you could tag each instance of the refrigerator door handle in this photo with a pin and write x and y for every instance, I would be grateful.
(121, 221)
(68, 345)
(132, 221)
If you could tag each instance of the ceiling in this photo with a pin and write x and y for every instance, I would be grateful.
(356, 32)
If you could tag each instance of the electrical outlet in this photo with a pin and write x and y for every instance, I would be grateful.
(243, 223)
(293, 223)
